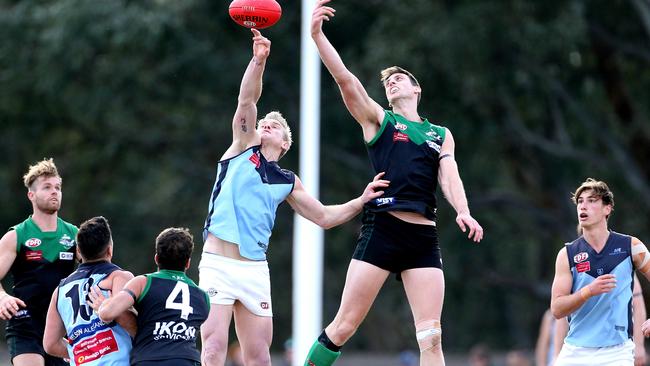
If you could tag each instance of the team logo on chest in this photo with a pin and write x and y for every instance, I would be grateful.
(66, 241)
(33, 243)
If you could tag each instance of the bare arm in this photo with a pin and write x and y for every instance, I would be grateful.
(109, 309)
(563, 302)
(561, 330)
(53, 341)
(332, 215)
(639, 316)
(9, 305)
(452, 187)
(543, 339)
(365, 110)
(127, 319)
(250, 90)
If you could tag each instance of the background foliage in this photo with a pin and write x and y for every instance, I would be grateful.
(133, 99)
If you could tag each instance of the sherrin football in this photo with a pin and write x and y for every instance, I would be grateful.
(255, 13)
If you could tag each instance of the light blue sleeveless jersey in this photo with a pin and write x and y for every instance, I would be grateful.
(606, 319)
(91, 342)
(245, 197)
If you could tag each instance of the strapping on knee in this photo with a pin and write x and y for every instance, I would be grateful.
(428, 334)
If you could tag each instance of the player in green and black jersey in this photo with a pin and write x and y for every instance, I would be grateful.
(399, 233)
(171, 307)
(38, 253)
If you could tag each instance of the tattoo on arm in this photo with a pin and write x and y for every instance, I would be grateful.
(244, 128)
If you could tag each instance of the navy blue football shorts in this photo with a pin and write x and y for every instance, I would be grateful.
(395, 245)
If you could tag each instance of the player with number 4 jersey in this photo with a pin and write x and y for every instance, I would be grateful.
(171, 307)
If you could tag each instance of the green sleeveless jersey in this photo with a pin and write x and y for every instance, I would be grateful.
(171, 309)
(408, 151)
(43, 260)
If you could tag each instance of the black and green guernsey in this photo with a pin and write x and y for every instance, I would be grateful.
(43, 259)
(171, 309)
(408, 152)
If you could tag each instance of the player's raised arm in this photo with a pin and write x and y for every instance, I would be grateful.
(363, 108)
(245, 118)
(332, 215)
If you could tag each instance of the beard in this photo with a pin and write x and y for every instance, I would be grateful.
(48, 206)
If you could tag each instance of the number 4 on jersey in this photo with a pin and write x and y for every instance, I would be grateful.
(184, 305)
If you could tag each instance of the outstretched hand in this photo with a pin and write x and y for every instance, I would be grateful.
(95, 298)
(261, 46)
(466, 221)
(371, 192)
(321, 13)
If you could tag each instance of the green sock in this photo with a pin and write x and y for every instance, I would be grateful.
(319, 355)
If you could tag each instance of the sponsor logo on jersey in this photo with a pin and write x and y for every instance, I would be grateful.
(434, 146)
(33, 243)
(174, 331)
(66, 256)
(22, 314)
(95, 347)
(86, 330)
(618, 251)
(66, 241)
(255, 159)
(34, 255)
(583, 267)
(400, 137)
(212, 292)
(580, 257)
(400, 126)
(265, 305)
(383, 201)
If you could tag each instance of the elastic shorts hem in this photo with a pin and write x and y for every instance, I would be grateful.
(395, 245)
(227, 280)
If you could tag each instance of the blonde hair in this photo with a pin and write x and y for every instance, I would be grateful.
(44, 168)
(387, 72)
(277, 116)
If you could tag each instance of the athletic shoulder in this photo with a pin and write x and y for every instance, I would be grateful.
(68, 226)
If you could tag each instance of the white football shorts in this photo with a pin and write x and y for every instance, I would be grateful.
(618, 355)
(227, 280)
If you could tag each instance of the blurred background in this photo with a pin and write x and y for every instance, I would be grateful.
(134, 101)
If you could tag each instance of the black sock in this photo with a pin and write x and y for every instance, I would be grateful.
(325, 341)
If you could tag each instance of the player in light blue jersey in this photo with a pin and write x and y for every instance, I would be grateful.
(241, 213)
(72, 329)
(593, 284)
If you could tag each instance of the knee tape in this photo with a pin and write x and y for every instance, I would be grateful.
(429, 336)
